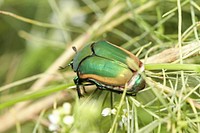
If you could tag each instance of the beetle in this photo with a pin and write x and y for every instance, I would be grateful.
(109, 67)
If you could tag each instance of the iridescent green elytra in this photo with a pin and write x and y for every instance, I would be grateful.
(109, 67)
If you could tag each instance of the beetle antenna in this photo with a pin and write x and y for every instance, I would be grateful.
(74, 48)
(62, 68)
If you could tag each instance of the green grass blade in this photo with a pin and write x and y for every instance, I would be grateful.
(34, 95)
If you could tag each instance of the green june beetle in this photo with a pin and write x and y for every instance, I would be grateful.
(109, 67)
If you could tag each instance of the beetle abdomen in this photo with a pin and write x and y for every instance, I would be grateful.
(116, 53)
(104, 70)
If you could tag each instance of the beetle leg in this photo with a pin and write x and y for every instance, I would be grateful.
(77, 83)
(79, 92)
(98, 85)
(84, 89)
(134, 94)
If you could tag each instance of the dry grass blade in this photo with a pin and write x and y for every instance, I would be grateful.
(172, 54)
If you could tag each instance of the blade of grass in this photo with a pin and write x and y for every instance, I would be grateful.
(177, 67)
(118, 111)
(34, 95)
(38, 23)
(16, 83)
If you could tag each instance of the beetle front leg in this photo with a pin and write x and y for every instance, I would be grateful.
(77, 83)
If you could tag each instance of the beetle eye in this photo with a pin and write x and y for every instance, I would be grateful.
(139, 84)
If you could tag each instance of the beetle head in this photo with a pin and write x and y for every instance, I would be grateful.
(137, 82)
